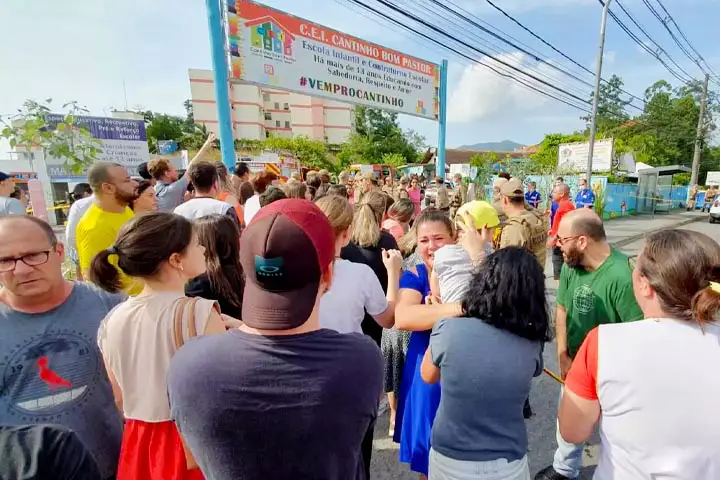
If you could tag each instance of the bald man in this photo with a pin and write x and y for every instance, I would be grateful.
(561, 196)
(595, 288)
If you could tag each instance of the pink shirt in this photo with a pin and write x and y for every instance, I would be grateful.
(414, 194)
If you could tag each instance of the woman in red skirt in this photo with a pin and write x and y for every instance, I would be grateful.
(140, 336)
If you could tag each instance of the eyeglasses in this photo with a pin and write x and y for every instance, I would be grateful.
(563, 240)
(31, 260)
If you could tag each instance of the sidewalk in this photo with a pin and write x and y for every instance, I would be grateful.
(623, 231)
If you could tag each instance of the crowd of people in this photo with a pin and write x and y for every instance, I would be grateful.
(226, 325)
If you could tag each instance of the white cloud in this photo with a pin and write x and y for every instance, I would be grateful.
(481, 94)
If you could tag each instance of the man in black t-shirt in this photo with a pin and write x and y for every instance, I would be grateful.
(279, 398)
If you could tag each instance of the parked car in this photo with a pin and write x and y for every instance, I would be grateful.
(715, 211)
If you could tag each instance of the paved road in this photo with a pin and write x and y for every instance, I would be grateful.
(544, 396)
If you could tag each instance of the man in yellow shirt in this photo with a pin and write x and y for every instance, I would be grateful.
(98, 229)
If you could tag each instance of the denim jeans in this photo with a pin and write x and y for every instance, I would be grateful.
(445, 468)
(568, 456)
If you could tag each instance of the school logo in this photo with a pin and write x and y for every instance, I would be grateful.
(49, 376)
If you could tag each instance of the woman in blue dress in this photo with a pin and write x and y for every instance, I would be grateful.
(418, 401)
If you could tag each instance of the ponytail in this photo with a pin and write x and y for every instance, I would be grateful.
(368, 218)
(104, 274)
(705, 305)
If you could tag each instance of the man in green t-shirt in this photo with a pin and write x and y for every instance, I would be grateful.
(595, 288)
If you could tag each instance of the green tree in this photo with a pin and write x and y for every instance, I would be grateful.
(611, 105)
(67, 139)
(377, 134)
(546, 158)
(163, 127)
(311, 153)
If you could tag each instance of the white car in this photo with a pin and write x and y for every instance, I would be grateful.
(715, 211)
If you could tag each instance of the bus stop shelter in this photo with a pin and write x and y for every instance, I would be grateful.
(655, 188)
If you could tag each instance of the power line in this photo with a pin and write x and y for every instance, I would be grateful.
(498, 71)
(677, 27)
(471, 47)
(649, 37)
(551, 46)
(642, 45)
(454, 26)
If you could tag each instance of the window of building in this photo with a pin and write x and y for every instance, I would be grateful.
(277, 123)
(266, 97)
(287, 124)
(277, 105)
(268, 116)
(286, 106)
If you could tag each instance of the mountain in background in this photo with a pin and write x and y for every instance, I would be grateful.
(504, 146)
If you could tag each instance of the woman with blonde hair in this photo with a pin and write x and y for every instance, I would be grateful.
(653, 382)
(226, 192)
(296, 189)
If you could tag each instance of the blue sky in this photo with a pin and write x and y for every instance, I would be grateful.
(85, 49)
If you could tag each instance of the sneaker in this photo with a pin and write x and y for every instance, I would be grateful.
(549, 473)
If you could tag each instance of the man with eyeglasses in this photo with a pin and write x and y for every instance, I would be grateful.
(595, 288)
(51, 369)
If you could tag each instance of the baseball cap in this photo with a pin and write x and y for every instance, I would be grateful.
(499, 182)
(482, 212)
(3, 176)
(284, 251)
(513, 188)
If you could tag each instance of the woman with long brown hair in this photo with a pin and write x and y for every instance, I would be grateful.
(653, 382)
(139, 338)
(223, 281)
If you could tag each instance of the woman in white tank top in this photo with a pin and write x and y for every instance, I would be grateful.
(140, 336)
(654, 382)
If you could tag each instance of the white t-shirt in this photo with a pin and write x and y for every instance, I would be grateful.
(658, 390)
(77, 210)
(251, 207)
(454, 268)
(11, 206)
(202, 207)
(355, 289)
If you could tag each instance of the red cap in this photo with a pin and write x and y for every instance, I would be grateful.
(284, 251)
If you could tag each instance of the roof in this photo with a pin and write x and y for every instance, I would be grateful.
(269, 19)
(663, 171)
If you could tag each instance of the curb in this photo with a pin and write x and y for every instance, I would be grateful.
(639, 236)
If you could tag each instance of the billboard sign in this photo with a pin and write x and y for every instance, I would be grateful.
(573, 157)
(712, 178)
(122, 141)
(274, 49)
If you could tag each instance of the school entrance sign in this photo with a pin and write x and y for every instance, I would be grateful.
(275, 49)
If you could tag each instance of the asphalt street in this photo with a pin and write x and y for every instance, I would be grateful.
(544, 398)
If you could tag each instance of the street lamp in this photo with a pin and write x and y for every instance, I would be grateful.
(596, 95)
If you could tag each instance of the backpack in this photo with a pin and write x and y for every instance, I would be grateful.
(535, 227)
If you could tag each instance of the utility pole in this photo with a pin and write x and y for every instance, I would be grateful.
(596, 94)
(700, 135)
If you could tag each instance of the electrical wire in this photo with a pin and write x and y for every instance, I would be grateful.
(642, 29)
(552, 47)
(677, 27)
(642, 45)
(496, 49)
(475, 49)
(579, 105)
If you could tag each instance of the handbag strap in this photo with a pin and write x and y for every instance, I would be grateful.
(183, 305)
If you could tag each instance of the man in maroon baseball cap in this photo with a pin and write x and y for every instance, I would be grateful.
(279, 397)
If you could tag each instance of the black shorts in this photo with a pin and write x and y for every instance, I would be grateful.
(557, 261)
